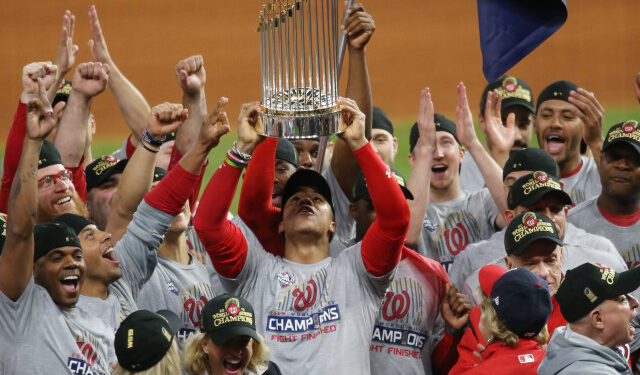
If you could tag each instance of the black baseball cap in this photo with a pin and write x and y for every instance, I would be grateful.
(558, 90)
(526, 228)
(626, 132)
(586, 286)
(50, 236)
(441, 123)
(530, 188)
(159, 174)
(514, 91)
(522, 302)
(360, 190)
(102, 168)
(144, 337)
(62, 94)
(531, 159)
(306, 178)
(73, 221)
(226, 317)
(49, 155)
(381, 121)
(286, 151)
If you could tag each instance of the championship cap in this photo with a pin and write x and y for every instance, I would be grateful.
(531, 159)
(159, 174)
(144, 337)
(586, 286)
(530, 188)
(522, 302)
(381, 121)
(514, 91)
(286, 151)
(102, 168)
(627, 132)
(226, 317)
(360, 190)
(49, 155)
(73, 221)
(558, 90)
(441, 123)
(306, 178)
(50, 236)
(62, 94)
(526, 228)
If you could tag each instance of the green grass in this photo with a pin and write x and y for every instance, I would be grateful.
(402, 130)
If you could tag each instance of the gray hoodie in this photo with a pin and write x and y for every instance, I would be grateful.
(572, 353)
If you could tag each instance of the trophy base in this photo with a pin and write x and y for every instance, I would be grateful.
(300, 126)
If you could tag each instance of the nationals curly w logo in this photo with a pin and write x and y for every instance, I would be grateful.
(305, 296)
(456, 239)
(395, 306)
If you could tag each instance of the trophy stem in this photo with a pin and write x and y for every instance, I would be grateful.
(343, 39)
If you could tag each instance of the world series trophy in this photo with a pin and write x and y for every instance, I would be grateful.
(299, 68)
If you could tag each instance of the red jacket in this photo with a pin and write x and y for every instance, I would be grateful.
(498, 358)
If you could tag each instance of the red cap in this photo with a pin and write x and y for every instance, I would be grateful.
(488, 276)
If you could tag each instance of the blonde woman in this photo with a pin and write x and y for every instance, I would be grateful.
(228, 343)
(513, 322)
(145, 345)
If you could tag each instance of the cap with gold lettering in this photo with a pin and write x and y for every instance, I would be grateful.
(530, 188)
(359, 189)
(226, 317)
(627, 132)
(513, 91)
(526, 228)
(101, 169)
(144, 337)
(586, 286)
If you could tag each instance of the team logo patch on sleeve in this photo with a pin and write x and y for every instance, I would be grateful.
(526, 358)
(285, 279)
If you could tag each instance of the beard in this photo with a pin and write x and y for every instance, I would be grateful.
(46, 214)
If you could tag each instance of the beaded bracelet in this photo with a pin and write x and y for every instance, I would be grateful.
(239, 154)
(147, 137)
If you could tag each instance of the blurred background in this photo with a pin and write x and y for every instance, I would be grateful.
(417, 43)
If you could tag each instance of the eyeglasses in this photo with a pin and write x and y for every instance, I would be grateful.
(48, 180)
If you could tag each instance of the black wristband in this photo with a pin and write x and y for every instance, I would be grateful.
(147, 137)
(147, 147)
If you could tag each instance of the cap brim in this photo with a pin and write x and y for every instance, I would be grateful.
(174, 321)
(488, 275)
(520, 249)
(535, 197)
(306, 178)
(622, 140)
(628, 281)
(220, 337)
(508, 103)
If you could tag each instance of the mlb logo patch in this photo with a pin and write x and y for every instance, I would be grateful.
(526, 358)
(172, 288)
(285, 279)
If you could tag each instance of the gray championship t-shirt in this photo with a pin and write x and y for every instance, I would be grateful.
(345, 225)
(406, 330)
(449, 227)
(317, 318)
(39, 337)
(578, 243)
(584, 183)
(470, 176)
(625, 238)
(136, 251)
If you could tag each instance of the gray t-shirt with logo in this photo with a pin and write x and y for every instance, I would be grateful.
(39, 337)
(449, 227)
(471, 178)
(585, 183)
(625, 238)
(407, 328)
(345, 225)
(317, 318)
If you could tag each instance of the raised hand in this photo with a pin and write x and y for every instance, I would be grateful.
(191, 74)
(97, 44)
(45, 71)
(67, 51)
(90, 79)
(499, 137)
(455, 309)
(591, 112)
(249, 127)
(41, 118)
(464, 120)
(359, 26)
(351, 124)
(426, 126)
(166, 118)
(636, 82)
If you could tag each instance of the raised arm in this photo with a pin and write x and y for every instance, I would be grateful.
(89, 80)
(490, 170)
(132, 104)
(591, 112)
(359, 27)
(382, 244)
(16, 260)
(66, 55)
(191, 78)
(224, 242)
(419, 179)
(138, 174)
